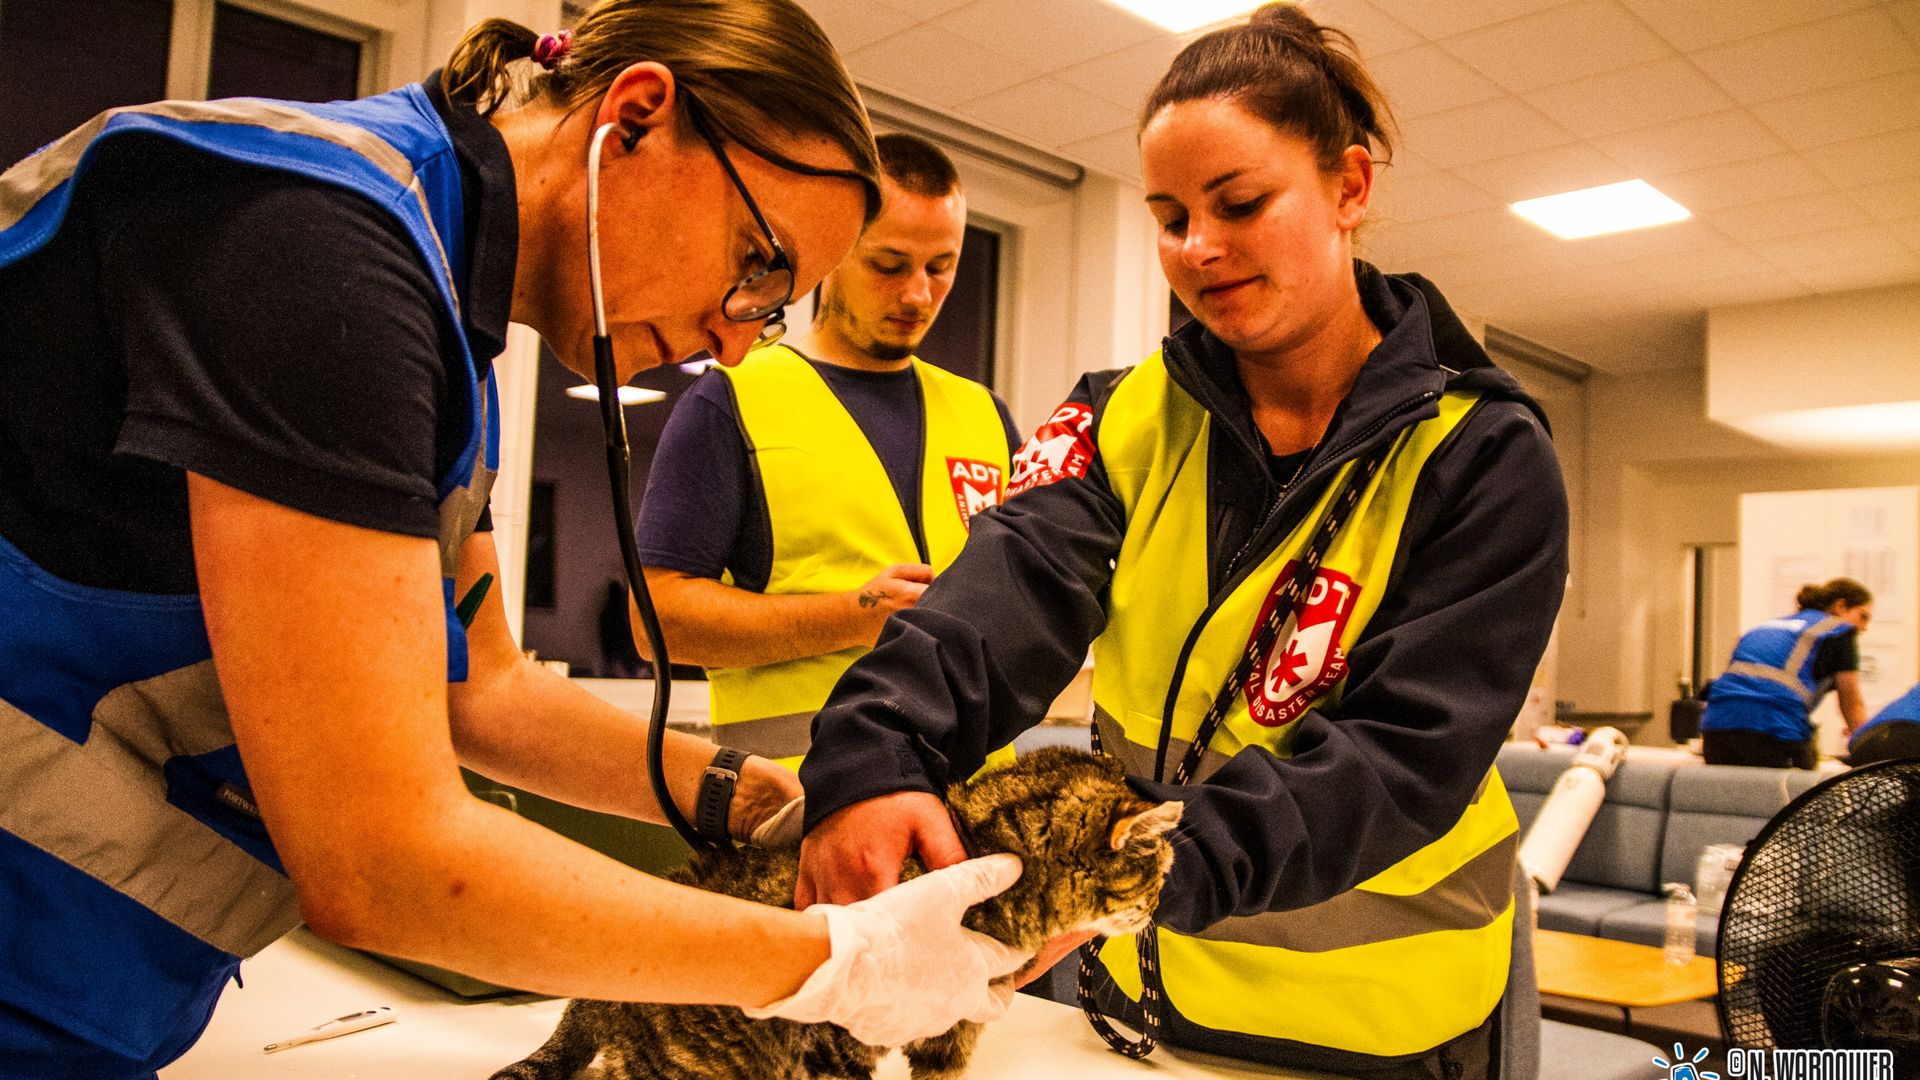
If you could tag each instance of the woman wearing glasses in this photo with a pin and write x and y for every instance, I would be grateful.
(245, 446)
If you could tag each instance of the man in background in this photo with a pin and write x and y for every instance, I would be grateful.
(799, 499)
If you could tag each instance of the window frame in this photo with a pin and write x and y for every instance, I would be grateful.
(391, 38)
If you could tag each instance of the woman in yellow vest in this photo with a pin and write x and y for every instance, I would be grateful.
(1320, 523)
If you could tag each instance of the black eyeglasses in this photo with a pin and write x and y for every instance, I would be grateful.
(763, 295)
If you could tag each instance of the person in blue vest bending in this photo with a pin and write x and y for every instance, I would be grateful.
(247, 431)
(1894, 732)
(1759, 712)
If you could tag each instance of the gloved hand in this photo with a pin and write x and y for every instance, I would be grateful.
(902, 967)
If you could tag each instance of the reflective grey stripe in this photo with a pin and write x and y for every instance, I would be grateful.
(1772, 675)
(460, 511)
(770, 736)
(1467, 899)
(1138, 760)
(1788, 673)
(102, 808)
(26, 183)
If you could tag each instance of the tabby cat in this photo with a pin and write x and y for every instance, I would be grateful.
(1095, 856)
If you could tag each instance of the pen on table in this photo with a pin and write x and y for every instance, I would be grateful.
(340, 1025)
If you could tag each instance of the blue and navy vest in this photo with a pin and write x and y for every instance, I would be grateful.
(1905, 709)
(1769, 687)
(134, 873)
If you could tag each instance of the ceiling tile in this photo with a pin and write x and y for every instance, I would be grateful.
(1706, 264)
(855, 24)
(1793, 253)
(1739, 183)
(1426, 80)
(1124, 77)
(1444, 18)
(1570, 42)
(1631, 98)
(1876, 159)
(1048, 113)
(1908, 231)
(1459, 233)
(923, 9)
(1490, 130)
(1693, 143)
(1889, 200)
(1697, 24)
(1788, 217)
(1117, 152)
(938, 68)
(1376, 32)
(1424, 197)
(1675, 239)
(1814, 56)
(1048, 36)
(1866, 273)
(1907, 14)
(1762, 285)
(1545, 172)
(1857, 110)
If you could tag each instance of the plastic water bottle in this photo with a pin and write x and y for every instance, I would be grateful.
(1682, 911)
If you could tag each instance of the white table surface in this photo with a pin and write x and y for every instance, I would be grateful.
(301, 981)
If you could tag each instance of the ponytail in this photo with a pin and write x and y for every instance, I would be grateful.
(1839, 590)
(478, 72)
(756, 66)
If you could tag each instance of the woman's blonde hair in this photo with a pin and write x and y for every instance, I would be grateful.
(755, 66)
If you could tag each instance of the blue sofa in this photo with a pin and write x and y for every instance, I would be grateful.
(1656, 820)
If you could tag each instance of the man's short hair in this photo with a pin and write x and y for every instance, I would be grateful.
(917, 165)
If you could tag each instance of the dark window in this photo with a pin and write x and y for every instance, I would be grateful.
(962, 338)
(540, 545)
(256, 55)
(62, 61)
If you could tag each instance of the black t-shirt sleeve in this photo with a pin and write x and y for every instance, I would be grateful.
(282, 337)
(694, 510)
(1014, 438)
(1839, 653)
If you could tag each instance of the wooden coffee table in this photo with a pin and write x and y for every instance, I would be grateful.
(1617, 973)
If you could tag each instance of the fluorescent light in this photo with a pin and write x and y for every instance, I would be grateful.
(1610, 208)
(1181, 16)
(1893, 425)
(629, 395)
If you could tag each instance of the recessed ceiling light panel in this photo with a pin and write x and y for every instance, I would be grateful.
(1595, 211)
(629, 395)
(1181, 16)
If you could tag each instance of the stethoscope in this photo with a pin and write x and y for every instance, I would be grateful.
(619, 467)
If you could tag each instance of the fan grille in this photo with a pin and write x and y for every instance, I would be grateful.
(1833, 880)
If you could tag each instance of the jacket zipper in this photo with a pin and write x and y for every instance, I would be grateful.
(1262, 538)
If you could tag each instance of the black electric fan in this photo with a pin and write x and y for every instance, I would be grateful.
(1820, 933)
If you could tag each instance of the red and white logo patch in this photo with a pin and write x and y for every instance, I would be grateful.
(1283, 686)
(976, 486)
(1062, 447)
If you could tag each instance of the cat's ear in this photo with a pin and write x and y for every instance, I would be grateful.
(1146, 824)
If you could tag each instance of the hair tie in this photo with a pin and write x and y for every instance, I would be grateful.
(552, 48)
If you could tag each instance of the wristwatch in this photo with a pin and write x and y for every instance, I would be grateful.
(716, 794)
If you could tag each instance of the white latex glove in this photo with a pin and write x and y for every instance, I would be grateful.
(902, 967)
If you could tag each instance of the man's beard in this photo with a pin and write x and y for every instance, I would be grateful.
(881, 351)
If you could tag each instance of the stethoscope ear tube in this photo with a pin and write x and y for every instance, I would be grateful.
(613, 421)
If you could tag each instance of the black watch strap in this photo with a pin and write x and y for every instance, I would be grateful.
(716, 794)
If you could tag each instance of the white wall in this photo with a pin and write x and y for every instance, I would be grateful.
(1662, 477)
(1847, 349)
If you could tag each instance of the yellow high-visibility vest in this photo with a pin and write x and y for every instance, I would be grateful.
(837, 521)
(1412, 957)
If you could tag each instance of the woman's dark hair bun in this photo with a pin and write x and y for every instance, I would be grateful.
(1821, 597)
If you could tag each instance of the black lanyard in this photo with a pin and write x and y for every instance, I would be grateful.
(1280, 624)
